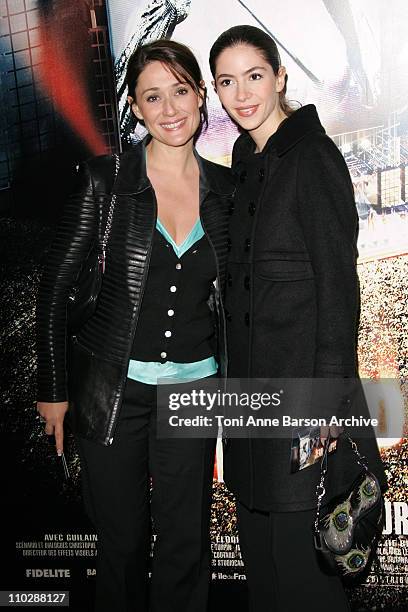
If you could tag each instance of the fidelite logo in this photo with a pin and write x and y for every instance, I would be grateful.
(48, 573)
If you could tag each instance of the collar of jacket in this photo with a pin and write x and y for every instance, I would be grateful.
(292, 130)
(132, 177)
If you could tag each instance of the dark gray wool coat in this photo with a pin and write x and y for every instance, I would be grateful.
(292, 299)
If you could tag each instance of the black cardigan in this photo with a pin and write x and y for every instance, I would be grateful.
(182, 287)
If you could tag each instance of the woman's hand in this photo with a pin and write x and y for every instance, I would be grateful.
(53, 413)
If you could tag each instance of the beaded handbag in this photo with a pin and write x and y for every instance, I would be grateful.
(346, 537)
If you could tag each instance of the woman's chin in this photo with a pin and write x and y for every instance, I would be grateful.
(177, 138)
(247, 123)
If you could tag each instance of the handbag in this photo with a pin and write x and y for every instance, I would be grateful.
(84, 294)
(346, 537)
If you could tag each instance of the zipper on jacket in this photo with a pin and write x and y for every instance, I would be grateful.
(135, 318)
(219, 294)
(223, 436)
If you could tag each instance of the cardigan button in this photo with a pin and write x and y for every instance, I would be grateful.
(246, 319)
(173, 288)
(247, 283)
(261, 174)
(163, 355)
(247, 245)
(242, 176)
(251, 208)
(178, 266)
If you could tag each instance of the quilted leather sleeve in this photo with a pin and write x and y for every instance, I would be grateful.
(73, 240)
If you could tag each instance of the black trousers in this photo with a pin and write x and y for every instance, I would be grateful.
(116, 489)
(281, 565)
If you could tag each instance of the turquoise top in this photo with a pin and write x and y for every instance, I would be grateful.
(155, 372)
(196, 234)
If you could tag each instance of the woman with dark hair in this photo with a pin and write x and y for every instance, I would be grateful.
(292, 302)
(152, 321)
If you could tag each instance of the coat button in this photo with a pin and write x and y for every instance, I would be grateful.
(229, 244)
(251, 208)
(242, 176)
(247, 244)
(261, 174)
(247, 319)
(228, 316)
(247, 283)
(229, 280)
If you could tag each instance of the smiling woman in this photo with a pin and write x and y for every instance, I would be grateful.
(292, 301)
(251, 95)
(153, 322)
(169, 109)
(159, 73)
(250, 79)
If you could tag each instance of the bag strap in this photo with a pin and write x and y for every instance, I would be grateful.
(320, 489)
(104, 242)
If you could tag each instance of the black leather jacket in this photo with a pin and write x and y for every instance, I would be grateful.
(90, 369)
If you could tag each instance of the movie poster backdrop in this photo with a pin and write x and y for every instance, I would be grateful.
(58, 83)
(348, 58)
